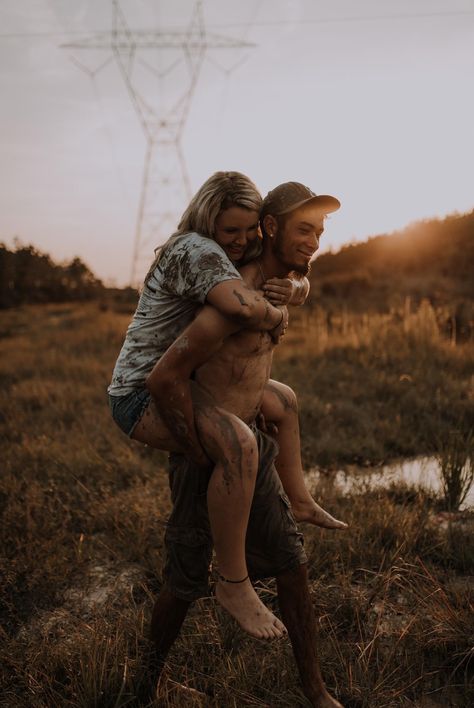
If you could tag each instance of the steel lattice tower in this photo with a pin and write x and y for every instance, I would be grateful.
(165, 185)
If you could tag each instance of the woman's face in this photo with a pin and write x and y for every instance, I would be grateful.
(235, 229)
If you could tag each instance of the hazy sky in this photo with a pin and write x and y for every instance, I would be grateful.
(371, 101)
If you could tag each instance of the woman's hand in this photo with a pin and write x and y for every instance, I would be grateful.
(278, 291)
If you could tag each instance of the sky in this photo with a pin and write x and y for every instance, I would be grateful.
(369, 101)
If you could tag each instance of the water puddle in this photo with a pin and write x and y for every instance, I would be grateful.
(419, 472)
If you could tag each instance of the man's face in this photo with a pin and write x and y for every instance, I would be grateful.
(297, 240)
(235, 229)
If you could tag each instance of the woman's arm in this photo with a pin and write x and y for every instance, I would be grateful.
(244, 306)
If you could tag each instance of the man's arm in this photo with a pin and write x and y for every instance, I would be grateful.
(244, 306)
(170, 380)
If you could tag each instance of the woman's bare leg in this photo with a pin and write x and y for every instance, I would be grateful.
(280, 407)
(231, 445)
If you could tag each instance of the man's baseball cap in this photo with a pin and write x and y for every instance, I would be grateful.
(291, 195)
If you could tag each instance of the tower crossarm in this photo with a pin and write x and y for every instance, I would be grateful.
(142, 39)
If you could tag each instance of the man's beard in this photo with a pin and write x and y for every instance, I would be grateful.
(301, 268)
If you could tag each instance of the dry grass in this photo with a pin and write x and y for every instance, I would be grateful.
(81, 536)
(375, 387)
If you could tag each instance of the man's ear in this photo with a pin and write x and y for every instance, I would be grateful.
(270, 225)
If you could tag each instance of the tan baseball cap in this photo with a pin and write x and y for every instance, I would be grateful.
(291, 195)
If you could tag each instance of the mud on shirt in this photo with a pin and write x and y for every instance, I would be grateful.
(188, 269)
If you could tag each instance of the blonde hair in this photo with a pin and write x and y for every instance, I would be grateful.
(221, 191)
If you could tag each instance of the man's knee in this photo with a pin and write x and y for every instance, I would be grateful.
(290, 397)
(226, 438)
(284, 396)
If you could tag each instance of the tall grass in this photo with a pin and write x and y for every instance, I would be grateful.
(376, 386)
(82, 513)
(455, 456)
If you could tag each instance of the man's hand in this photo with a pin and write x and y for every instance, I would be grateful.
(280, 330)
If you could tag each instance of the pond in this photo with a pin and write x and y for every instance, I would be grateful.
(419, 472)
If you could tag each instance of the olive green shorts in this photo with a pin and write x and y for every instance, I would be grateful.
(273, 544)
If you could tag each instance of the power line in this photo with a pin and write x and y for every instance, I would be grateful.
(273, 23)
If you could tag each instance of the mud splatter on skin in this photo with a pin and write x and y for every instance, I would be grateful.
(267, 312)
(234, 451)
(288, 403)
(240, 299)
(175, 420)
(182, 343)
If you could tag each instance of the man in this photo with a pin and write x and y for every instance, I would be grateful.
(235, 376)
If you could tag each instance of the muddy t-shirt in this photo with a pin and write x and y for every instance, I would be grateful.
(186, 272)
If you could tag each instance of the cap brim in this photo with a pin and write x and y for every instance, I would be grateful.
(326, 203)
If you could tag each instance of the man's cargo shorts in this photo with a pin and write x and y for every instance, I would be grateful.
(273, 543)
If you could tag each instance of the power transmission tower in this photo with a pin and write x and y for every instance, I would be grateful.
(174, 58)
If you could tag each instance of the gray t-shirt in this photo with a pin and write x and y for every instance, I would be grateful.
(187, 271)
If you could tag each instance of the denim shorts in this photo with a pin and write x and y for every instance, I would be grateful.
(128, 409)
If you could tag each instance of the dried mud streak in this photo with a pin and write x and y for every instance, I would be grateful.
(267, 312)
(288, 404)
(240, 317)
(229, 434)
(240, 299)
(237, 375)
(178, 427)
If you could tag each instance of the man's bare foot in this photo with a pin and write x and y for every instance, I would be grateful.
(307, 510)
(323, 700)
(242, 602)
(328, 701)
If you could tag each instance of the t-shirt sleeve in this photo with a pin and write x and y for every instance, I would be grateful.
(196, 266)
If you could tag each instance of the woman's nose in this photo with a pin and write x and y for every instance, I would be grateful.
(241, 238)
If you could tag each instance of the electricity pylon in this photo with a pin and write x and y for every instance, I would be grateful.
(165, 184)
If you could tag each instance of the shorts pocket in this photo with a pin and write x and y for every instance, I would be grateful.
(286, 509)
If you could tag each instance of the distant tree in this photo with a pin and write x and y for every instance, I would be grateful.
(28, 276)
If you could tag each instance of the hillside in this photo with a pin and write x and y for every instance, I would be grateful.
(429, 259)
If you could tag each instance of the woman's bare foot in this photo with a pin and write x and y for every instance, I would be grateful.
(242, 602)
(307, 510)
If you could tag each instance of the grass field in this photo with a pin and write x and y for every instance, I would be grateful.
(83, 511)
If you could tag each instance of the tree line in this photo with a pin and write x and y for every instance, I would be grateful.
(29, 276)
